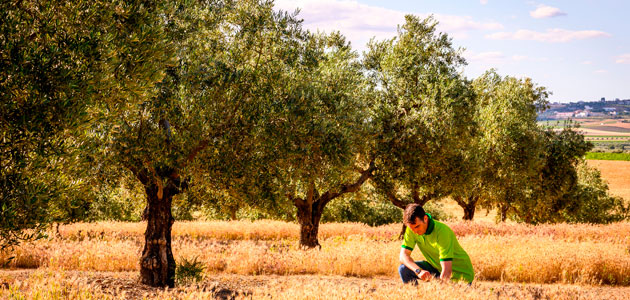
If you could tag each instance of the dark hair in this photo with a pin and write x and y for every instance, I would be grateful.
(412, 211)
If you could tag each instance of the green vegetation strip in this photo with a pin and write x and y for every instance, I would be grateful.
(607, 156)
(603, 142)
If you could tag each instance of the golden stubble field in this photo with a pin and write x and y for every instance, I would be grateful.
(261, 260)
(617, 173)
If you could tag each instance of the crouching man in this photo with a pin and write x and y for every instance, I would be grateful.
(445, 258)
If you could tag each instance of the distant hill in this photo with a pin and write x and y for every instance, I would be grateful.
(595, 109)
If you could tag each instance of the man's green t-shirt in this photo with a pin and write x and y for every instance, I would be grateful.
(439, 243)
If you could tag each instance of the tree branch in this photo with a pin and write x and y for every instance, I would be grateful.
(415, 195)
(139, 173)
(350, 188)
(296, 200)
(398, 203)
(459, 201)
(194, 152)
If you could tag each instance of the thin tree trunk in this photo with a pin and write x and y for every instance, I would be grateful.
(157, 265)
(233, 213)
(504, 209)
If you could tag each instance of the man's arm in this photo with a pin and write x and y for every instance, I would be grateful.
(405, 259)
(447, 270)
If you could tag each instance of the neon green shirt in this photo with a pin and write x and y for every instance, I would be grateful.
(439, 243)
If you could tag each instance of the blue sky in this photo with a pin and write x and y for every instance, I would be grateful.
(579, 50)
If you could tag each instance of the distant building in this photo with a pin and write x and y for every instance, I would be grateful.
(582, 113)
(609, 109)
(603, 99)
(564, 115)
(586, 107)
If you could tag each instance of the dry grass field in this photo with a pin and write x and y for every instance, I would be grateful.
(617, 173)
(262, 260)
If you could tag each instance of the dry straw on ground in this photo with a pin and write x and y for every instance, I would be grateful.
(562, 253)
(123, 285)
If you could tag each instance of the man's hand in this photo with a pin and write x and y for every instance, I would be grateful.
(425, 275)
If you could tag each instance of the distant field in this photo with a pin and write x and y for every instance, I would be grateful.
(608, 139)
(607, 128)
(595, 128)
(617, 173)
(607, 156)
(603, 132)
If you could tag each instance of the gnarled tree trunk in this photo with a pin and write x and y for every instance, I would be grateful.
(469, 204)
(469, 211)
(157, 265)
(311, 208)
(308, 217)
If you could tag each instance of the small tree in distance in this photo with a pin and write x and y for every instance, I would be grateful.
(505, 151)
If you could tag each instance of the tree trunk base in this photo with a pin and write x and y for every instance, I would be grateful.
(157, 265)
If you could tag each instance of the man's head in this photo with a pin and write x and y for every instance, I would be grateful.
(415, 218)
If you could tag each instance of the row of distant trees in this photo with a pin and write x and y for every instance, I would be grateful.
(233, 103)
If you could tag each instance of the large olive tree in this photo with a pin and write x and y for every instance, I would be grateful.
(313, 140)
(421, 112)
(58, 59)
(200, 120)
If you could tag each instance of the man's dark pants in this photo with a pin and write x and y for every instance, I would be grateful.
(408, 275)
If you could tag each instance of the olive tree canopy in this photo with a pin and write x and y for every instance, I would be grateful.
(421, 112)
(57, 59)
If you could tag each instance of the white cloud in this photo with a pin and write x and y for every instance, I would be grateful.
(555, 35)
(601, 72)
(485, 57)
(544, 11)
(360, 22)
(519, 57)
(483, 2)
(587, 62)
(623, 59)
(498, 57)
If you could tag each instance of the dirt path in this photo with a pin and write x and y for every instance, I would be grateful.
(124, 285)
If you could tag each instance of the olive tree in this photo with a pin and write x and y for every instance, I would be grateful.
(504, 152)
(312, 143)
(421, 112)
(589, 200)
(202, 116)
(553, 188)
(57, 59)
